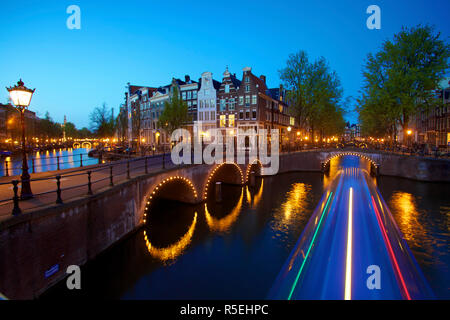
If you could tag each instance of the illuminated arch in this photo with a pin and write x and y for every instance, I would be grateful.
(224, 224)
(76, 145)
(213, 173)
(249, 167)
(83, 145)
(350, 153)
(155, 191)
(173, 251)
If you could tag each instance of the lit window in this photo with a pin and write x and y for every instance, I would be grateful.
(254, 99)
(231, 120)
(241, 100)
(247, 101)
(227, 88)
(223, 121)
(189, 95)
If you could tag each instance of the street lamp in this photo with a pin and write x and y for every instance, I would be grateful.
(21, 98)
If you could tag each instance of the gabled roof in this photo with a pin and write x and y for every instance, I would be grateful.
(236, 82)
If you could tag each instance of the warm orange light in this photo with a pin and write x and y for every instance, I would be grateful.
(409, 132)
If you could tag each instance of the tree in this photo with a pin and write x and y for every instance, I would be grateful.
(400, 79)
(175, 113)
(314, 92)
(102, 122)
(122, 124)
(71, 130)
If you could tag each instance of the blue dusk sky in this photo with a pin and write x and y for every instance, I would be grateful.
(149, 42)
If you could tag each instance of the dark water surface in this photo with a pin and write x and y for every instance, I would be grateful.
(235, 250)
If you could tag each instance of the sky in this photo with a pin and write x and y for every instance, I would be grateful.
(149, 42)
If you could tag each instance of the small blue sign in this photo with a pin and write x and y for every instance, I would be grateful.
(52, 271)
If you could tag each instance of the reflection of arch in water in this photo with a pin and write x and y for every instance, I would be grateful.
(173, 251)
(256, 165)
(223, 225)
(175, 182)
(222, 173)
(256, 197)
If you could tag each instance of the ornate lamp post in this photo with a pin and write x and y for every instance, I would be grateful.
(21, 98)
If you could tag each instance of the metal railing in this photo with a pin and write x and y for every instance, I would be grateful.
(110, 173)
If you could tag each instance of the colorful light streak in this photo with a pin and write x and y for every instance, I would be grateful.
(391, 252)
(348, 267)
(310, 246)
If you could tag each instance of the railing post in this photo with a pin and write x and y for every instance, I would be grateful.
(146, 165)
(89, 183)
(58, 190)
(57, 160)
(128, 169)
(81, 160)
(16, 209)
(100, 157)
(32, 165)
(7, 169)
(111, 182)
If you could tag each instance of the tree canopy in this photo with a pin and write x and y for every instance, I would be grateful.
(400, 80)
(102, 122)
(315, 93)
(175, 114)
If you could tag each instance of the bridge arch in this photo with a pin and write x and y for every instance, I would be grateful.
(332, 156)
(227, 172)
(76, 145)
(87, 145)
(255, 166)
(176, 188)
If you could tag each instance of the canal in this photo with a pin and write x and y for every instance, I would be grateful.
(47, 161)
(236, 249)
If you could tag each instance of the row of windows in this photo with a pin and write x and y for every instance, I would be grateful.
(189, 95)
(223, 120)
(207, 115)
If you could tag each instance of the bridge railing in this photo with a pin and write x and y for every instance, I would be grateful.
(102, 175)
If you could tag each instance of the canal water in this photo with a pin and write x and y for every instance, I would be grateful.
(47, 161)
(235, 250)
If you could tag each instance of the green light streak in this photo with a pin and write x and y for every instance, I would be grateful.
(310, 246)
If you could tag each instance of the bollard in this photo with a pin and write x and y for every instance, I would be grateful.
(58, 190)
(32, 165)
(100, 157)
(57, 160)
(128, 169)
(252, 179)
(81, 160)
(89, 183)
(111, 182)
(218, 191)
(146, 165)
(16, 210)
(7, 170)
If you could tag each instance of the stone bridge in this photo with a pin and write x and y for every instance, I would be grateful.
(37, 247)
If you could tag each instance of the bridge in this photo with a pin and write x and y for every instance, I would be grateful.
(79, 213)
